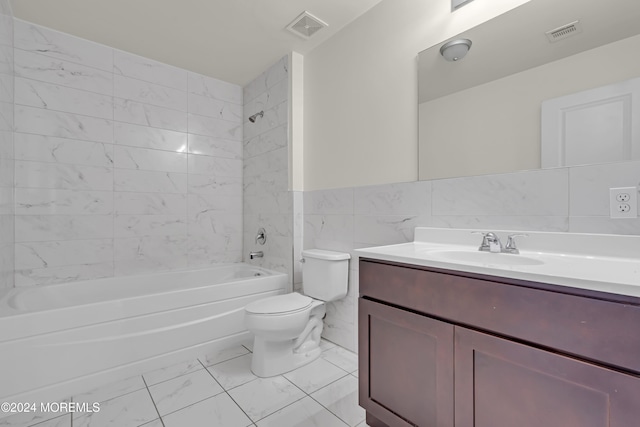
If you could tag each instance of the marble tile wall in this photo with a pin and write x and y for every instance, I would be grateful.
(268, 202)
(571, 199)
(6, 146)
(123, 165)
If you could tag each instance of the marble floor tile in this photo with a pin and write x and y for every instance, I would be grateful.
(169, 396)
(323, 393)
(63, 421)
(303, 413)
(217, 411)
(28, 419)
(234, 372)
(315, 375)
(341, 398)
(221, 356)
(265, 396)
(326, 345)
(131, 410)
(342, 358)
(171, 372)
(110, 391)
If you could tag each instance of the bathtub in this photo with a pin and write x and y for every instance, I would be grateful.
(59, 340)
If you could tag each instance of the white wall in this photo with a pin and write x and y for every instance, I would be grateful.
(123, 165)
(360, 87)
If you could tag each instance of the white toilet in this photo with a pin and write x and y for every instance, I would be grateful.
(287, 327)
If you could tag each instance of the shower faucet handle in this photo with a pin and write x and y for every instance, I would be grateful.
(261, 237)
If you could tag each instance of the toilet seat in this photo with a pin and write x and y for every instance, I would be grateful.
(280, 304)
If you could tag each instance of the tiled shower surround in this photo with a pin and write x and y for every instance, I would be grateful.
(6, 146)
(268, 202)
(123, 165)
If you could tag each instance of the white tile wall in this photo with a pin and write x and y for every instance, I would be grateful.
(124, 165)
(566, 200)
(268, 202)
(6, 147)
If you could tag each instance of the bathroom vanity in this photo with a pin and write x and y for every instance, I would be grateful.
(499, 343)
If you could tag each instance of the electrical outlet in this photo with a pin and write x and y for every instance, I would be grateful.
(623, 202)
(623, 197)
(624, 207)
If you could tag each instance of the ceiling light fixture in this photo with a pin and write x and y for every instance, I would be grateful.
(455, 50)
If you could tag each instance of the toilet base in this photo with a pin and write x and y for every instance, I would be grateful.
(274, 357)
(271, 358)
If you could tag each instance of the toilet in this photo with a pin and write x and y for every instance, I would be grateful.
(287, 328)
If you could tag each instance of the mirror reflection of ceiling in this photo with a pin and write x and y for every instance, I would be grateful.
(482, 114)
(515, 41)
(232, 40)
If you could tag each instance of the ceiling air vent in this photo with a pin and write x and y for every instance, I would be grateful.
(306, 25)
(564, 32)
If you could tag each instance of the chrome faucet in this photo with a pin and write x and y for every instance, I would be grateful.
(490, 242)
(253, 255)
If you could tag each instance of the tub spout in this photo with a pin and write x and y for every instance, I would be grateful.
(253, 255)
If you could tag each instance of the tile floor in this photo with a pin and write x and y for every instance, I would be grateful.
(221, 391)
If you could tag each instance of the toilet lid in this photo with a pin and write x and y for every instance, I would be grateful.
(279, 304)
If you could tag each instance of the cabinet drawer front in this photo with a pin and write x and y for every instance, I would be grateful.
(583, 326)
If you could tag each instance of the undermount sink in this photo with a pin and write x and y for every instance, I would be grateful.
(485, 258)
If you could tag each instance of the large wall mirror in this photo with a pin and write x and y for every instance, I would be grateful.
(522, 99)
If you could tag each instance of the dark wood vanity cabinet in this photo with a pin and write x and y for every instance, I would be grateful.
(409, 364)
(441, 348)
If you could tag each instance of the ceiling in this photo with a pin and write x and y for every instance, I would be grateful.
(232, 40)
(516, 41)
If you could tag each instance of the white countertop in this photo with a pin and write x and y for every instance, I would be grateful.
(605, 263)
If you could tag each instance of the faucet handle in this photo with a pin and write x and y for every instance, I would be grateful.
(511, 243)
(490, 241)
(261, 237)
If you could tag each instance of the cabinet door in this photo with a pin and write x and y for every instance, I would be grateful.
(501, 383)
(406, 366)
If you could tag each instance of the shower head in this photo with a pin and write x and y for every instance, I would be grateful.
(253, 118)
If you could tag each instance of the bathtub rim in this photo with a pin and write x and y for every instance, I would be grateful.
(24, 324)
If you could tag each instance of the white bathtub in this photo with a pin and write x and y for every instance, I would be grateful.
(59, 340)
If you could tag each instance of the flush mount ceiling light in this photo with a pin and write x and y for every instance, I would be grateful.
(455, 50)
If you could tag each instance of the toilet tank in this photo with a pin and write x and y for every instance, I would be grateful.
(325, 274)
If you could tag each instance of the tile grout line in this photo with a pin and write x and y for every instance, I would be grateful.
(152, 400)
(113, 181)
(227, 392)
(315, 400)
(315, 391)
